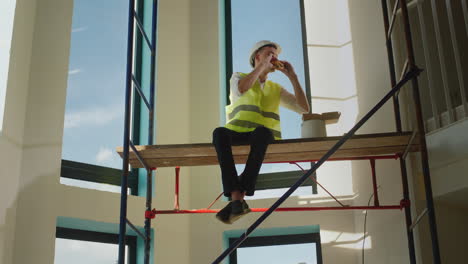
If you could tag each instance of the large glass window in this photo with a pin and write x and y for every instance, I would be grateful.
(248, 22)
(95, 94)
(332, 80)
(73, 246)
(300, 249)
(7, 12)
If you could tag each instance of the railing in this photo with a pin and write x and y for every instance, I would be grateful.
(440, 34)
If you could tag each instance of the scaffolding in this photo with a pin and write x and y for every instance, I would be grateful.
(137, 157)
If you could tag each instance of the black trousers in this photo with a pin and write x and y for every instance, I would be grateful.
(223, 139)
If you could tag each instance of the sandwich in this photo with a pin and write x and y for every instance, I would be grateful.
(277, 64)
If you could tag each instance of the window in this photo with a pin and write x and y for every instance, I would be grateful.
(332, 80)
(283, 23)
(330, 55)
(94, 114)
(7, 11)
(74, 246)
(298, 248)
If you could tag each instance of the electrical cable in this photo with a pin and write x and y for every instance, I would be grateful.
(365, 225)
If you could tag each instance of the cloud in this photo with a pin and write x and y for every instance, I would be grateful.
(96, 116)
(74, 71)
(104, 155)
(80, 29)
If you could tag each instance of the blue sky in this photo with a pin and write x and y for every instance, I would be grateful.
(96, 83)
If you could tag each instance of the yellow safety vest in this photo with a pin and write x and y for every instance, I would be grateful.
(256, 107)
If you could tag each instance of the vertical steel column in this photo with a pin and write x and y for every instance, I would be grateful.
(396, 109)
(126, 143)
(149, 184)
(408, 218)
(374, 182)
(422, 139)
(391, 64)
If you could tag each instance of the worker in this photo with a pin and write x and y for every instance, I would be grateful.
(253, 118)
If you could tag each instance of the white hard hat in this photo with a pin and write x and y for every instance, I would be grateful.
(260, 45)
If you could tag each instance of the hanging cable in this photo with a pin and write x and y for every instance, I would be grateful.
(365, 225)
(217, 198)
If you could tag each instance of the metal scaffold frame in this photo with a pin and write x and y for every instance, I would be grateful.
(409, 73)
(132, 83)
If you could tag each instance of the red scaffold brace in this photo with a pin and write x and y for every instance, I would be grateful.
(287, 209)
(403, 203)
(176, 199)
(150, 214)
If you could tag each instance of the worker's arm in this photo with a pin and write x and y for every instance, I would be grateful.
(301, 98)
(247, 82)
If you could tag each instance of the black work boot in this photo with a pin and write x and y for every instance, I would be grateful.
(224, 214)
(238, 210)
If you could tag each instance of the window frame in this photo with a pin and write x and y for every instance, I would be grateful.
(96, 174)
(277, 240)
(93, 236)
(275, 180)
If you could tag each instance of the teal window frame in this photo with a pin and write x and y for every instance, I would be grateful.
(100, 237)
(97, 174)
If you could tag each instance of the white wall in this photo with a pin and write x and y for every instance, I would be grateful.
(11, 138)
(172, 127)
(386, 228)
(448, 156)
(447, 162)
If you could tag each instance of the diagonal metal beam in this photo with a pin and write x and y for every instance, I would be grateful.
(416, 222)
(136, 230)
(142, 31)
(140, 92)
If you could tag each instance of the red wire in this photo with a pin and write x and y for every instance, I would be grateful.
(219, 196)
(312, 178)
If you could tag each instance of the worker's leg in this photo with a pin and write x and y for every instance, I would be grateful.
(259, 140)
(222, 141)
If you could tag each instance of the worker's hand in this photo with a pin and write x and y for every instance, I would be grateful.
(288, 69)
(266, 65)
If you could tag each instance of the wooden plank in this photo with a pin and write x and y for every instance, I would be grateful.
(328, 117)
(284, 150)
(282, 146)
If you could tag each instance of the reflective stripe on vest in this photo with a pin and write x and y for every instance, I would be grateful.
(256, 107)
